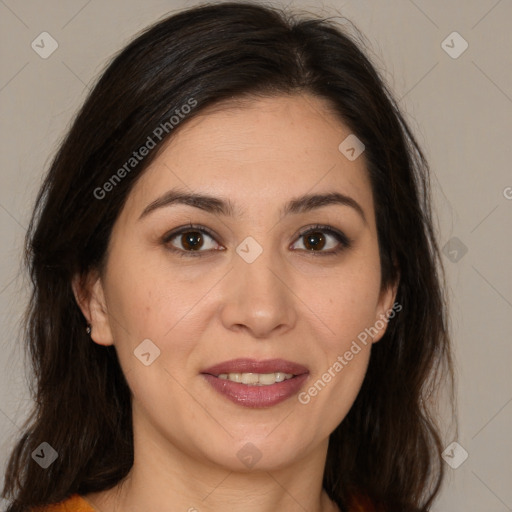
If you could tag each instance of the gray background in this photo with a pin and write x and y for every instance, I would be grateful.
(459, 108)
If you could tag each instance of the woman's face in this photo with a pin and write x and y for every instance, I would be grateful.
(252, 279)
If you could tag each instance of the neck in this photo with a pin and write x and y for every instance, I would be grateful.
(166, 478)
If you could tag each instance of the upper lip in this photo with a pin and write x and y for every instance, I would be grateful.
(254, 366)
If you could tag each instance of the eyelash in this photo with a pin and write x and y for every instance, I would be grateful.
(344, 241)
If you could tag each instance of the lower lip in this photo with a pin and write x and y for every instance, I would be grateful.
(257, 396)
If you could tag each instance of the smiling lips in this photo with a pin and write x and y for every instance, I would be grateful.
(256, 384)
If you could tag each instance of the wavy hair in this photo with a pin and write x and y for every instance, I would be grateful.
(389, 446)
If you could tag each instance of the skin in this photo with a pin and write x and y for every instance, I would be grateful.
(290, 303)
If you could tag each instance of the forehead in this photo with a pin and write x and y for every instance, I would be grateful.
(259, 150)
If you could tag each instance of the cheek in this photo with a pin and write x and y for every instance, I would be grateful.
(147, 297)
(335, 383)
(150, 303)
(346, 300)
(151, 300)
(347, 306)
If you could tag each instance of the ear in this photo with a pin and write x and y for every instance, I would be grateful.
(90, 297)
(387, 308)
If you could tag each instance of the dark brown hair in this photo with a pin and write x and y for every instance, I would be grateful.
(388, 447)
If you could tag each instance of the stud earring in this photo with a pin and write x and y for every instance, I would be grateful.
(88, 329)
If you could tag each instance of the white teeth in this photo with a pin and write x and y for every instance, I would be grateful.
(248, 378)
(235, 377)
(268, 378)
(256, 379)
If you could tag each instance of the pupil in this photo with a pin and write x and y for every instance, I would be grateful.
(312, 241)
(192, 240)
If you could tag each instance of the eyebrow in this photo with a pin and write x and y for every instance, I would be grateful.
(215, 205)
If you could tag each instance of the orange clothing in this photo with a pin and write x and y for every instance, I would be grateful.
(76, 503)
(361, 504)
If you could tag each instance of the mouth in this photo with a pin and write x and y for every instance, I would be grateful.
(256, 384)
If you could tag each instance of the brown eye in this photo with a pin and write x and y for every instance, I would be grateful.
(318, 238)
(190, 240)
(195, 241)
(314, 241)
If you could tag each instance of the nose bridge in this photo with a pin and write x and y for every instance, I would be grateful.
(257, 267)
(257, 296)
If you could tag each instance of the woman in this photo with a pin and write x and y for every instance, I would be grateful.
(237, 293)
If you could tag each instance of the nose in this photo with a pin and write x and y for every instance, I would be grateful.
(258, 297)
